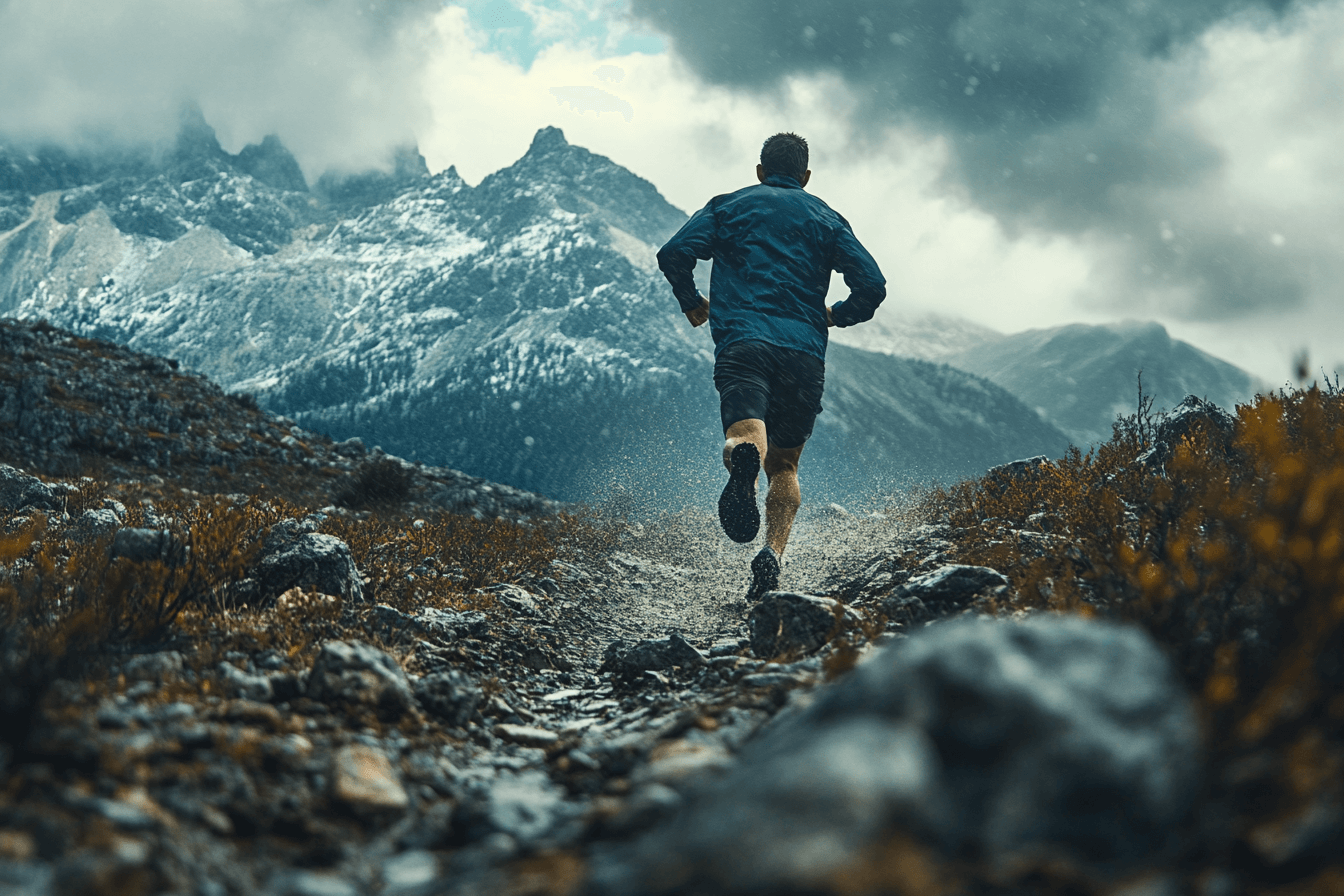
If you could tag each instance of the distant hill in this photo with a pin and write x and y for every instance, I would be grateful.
(1078, 377)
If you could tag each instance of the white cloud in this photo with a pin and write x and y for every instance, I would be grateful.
(336, 79)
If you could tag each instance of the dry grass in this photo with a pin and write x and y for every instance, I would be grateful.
(66, 604)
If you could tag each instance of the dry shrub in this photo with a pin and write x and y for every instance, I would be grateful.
(65, 602)
(295, 626)
(441, 560)
(382, 483)
(1233, 558)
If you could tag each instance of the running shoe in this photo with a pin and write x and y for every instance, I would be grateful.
(738, 513)
(764, 574)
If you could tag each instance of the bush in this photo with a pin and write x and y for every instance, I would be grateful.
(65, 602)
(379, 484)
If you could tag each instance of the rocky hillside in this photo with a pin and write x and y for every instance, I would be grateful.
(75, 406)
(518, 329)
(1077, 676)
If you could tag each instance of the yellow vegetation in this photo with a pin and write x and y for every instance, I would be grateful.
(1232, 556)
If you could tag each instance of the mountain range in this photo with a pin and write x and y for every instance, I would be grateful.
(1078, 377)
(518, 329)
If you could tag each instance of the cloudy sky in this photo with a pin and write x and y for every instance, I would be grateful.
(1022, 163)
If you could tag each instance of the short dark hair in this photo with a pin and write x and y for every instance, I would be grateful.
(785, 154)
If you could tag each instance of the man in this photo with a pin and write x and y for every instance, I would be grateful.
(774, 247)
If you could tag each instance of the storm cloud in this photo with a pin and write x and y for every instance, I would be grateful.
(338, 80)
(1065, 116)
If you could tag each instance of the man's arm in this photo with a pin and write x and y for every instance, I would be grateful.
(695, 240)
(867, 286)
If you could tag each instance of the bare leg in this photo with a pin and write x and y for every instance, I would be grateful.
(784, 497)
(751, 430)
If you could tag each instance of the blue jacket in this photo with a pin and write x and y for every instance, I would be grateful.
(774, 247)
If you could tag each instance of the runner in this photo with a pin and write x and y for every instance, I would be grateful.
(774, 247)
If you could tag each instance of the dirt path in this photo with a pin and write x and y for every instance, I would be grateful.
(683, 575)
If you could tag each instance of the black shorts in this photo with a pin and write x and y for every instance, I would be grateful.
(781, 386)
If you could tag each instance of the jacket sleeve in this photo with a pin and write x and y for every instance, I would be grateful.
(867, 286)
(695, 240)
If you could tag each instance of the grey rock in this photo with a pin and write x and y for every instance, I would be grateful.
(771, 680)
(26, 878)
(946, 590)
(409, 871)
(450, 626)
(147, 545)
(312, 560)
(449, 696)
(359, 675)
(527, 736)
(787, 820)
(1192, 415)
(19, 490)
(312, 883)
(727, 647)
(93, 524)
(428, 622)
(516, 599)
(153, 666)
(652, 654)
(784, 622)
(391, 624)
(124, 815)
(245, 685)
(524, 805)
(648, 805)
(879, 574)
(1026, 469)
(1014, 744)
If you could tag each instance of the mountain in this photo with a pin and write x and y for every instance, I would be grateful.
(518, 329)
(1078, 377)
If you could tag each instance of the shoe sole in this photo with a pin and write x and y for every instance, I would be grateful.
(738, 513)
(764, 576)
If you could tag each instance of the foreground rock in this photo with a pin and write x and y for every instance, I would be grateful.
(312, 560)
(356, 675)
(786, 623)
(1054, 741)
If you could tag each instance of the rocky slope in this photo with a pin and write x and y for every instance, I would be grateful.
(404, 701)
(74, 405)
(1078, 377)
(517, 329)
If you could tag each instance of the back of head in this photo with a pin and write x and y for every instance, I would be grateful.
(785, 154)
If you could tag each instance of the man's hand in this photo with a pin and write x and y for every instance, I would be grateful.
(830, 321)
(700, 314)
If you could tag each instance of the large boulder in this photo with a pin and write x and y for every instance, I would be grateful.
(310, 560)
(449, 696)
(652, 654)
(946, 590)
(148, 545)
(1054, 742)
(1192, 417)
(358, 676)
(787, 623)
(21, 491)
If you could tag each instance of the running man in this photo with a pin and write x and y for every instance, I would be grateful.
(774, 247)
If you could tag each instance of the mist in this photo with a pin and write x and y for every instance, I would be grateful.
(338, 80)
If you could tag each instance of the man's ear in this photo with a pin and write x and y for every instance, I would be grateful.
(807, 176)
(760, 173)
